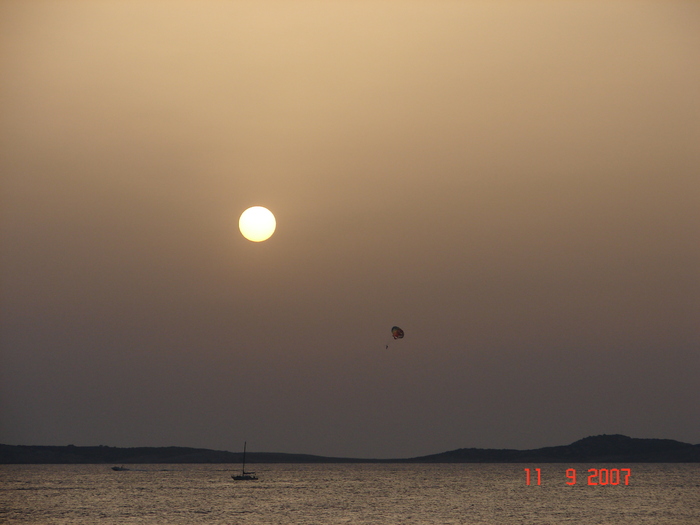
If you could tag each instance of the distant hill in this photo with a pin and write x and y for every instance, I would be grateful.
(595, 449)
(141, 455)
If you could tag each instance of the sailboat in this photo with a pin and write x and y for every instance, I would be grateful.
(244, 476)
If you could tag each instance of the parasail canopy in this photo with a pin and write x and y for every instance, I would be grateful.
(396, 332)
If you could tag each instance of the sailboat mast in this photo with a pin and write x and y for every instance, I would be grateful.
(245, 476)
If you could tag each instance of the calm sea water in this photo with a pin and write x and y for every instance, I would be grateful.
(347, 493)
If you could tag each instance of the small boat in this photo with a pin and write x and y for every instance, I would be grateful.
(120, 469)
(244, 476)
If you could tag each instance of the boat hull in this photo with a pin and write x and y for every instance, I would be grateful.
(244, 477)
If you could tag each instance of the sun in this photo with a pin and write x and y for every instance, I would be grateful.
(257, 224)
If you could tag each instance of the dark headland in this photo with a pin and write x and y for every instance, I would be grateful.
(595, 449)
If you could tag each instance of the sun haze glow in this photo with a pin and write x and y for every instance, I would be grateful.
(257, 224)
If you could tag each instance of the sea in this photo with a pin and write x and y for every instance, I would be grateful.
(364, 493)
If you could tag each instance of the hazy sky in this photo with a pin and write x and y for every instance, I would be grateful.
(515, 184)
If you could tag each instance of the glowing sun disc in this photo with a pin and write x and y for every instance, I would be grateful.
(257, 224)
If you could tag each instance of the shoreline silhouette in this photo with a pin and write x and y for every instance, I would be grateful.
(604, 448)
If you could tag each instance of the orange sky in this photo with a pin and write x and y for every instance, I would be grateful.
(515, 184)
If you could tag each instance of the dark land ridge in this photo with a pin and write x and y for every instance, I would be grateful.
(594, 449)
